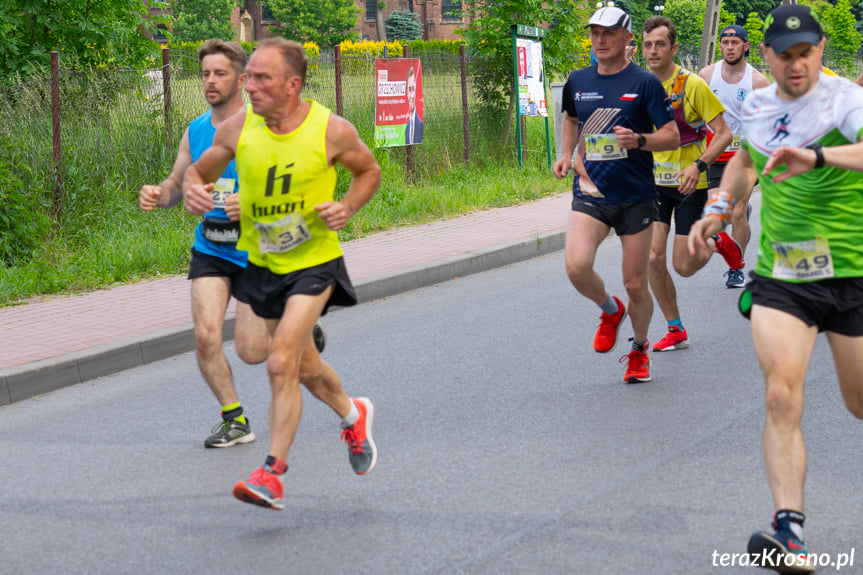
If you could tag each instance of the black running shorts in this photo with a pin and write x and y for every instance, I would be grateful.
(627, 219)
(687, 209)
(268, 292)
(205, 265)
(834, 304)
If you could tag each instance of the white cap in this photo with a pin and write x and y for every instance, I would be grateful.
(611, 17)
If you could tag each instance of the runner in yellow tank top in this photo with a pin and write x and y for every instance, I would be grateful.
(286, 150)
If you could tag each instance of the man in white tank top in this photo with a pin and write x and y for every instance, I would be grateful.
(732, 79)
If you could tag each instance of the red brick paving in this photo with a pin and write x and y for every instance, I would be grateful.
(62, 325)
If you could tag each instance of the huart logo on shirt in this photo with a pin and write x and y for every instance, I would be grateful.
(587, 96)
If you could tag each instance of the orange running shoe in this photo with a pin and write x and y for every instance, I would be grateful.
(609, 324)
(262, 488)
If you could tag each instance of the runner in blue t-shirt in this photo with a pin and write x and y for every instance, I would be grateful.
(216, 263)
(611, 110)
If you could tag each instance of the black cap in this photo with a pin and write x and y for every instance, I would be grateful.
(737, 31)
(791, 24)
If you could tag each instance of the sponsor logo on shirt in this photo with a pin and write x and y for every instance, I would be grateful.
(587, 96)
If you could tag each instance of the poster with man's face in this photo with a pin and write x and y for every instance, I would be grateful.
(398, 102)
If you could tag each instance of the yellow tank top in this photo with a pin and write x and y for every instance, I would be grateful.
(282, 178)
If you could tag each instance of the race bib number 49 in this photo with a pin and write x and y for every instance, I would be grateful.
(802, 261)
(602, 147)
(283, 235)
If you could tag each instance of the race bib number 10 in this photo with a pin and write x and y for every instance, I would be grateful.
(802, 261)
(283, 235)
(602, 147)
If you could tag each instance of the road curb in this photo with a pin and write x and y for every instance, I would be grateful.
(32, 379)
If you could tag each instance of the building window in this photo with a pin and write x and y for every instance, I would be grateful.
(450, 10)
(159, 35)
(267, 14)
(370, 9)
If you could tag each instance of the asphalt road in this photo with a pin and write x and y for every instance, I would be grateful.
(506, 446)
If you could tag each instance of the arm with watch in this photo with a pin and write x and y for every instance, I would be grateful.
(691, 174)
(663, 139)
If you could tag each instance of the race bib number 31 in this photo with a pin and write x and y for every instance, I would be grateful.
(802, 261)
(223, 188)
(602, 147)
(283, 235)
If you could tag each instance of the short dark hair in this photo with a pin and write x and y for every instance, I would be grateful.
(292, 52)
(655, 22)
(231, 50)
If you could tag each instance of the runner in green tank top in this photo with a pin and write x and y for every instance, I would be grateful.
(802, 143)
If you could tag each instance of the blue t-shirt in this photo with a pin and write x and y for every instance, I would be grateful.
(201, 134)
(633, 98)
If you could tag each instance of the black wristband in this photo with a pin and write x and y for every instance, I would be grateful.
(641, 140)
(819, 154)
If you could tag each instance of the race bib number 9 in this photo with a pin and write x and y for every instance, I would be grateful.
(602, 147)
(283, 235)
(802, 261)
(223, 188)
(666, 173)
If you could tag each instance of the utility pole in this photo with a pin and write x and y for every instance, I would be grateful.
(711, 30)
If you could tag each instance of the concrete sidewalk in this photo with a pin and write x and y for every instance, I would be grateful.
(67, 340)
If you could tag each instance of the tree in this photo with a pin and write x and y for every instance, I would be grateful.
(754, 27)
(489, 38)
(324, 22)
(87, 32)
(402, 25)
(197, 20)
(688, 18)
(742, 8)
(843, 38)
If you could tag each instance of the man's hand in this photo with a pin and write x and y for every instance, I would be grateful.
(198, 199)
(626, 138)
(797, 161)
(148, 197)
(701, 231)
(561, 168)
(689, 177)
(232, 207)
(334, 214)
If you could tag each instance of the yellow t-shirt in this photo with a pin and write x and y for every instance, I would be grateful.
(700, 105)
(282, 178)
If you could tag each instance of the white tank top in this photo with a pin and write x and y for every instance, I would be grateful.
(732, 95)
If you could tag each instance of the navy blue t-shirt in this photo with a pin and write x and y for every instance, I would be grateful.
(633, 98)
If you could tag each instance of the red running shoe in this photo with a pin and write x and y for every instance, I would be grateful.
(729, 249)
(261, 488)
(637, 365)
(609, 324)
(362, 451)
(674, 339)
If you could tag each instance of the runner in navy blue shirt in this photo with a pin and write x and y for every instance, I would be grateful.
(611, 111)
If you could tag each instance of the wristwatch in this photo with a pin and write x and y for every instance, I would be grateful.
(701, 164)
(641, 140)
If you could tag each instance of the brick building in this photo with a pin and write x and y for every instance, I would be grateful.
(251, 21)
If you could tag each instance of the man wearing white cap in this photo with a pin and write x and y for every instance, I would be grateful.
(732, 79)
(611, 110)
(802, 137)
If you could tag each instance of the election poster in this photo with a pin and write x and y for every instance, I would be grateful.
(399, 115)
(531, 78)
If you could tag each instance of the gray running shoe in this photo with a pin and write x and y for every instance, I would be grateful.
(230, 433)
(362, 451)
(320, 335)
